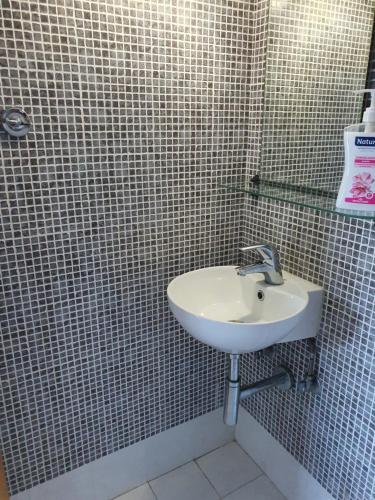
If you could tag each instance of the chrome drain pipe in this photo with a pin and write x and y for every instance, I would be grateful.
(232, 391)
(281, 378)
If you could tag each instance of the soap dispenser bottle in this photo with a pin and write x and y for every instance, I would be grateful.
(357, 190)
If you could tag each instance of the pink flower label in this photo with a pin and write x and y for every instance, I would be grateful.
(361, 189)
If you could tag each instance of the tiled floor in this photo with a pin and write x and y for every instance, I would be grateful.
(226, 473)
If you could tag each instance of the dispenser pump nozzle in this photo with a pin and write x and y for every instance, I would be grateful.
(369, 114)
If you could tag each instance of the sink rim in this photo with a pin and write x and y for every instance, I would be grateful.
(234, 324)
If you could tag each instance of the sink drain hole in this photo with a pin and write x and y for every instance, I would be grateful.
(260, 295)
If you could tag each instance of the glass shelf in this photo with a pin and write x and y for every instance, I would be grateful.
(302, 196)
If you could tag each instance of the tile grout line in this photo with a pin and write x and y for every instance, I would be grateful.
(230, 492)
(194, 461)
(204, 475)
(242, 485)
(175, 468)
(186, 463)
(153, 492)
(263, 472)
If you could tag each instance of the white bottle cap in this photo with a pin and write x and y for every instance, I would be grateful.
(369, 114)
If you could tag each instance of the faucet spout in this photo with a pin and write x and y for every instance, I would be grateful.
(258, 267)
(270, 265)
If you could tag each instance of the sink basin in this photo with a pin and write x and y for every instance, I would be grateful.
(239, 314)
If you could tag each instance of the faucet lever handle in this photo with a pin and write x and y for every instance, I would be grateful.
(265, 250)
(268, 252)
(252, 247)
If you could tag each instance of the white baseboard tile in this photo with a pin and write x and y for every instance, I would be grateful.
(290, 477)
(123, 470)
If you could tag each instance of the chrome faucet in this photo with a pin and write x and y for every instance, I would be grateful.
(269, 265)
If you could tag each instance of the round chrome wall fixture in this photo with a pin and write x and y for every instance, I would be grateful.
(14, 122)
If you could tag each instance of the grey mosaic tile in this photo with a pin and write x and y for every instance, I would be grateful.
(138, 109)
(331, 434)
(317, 55)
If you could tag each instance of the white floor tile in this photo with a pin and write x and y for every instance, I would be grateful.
(143, 492)
(185, 483)
(259, 489)
(228, 468)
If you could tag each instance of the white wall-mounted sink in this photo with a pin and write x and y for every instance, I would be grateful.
(239, 314)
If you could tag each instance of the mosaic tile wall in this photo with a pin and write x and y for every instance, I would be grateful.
(317, 55)
(139, 108)
(332, 435)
